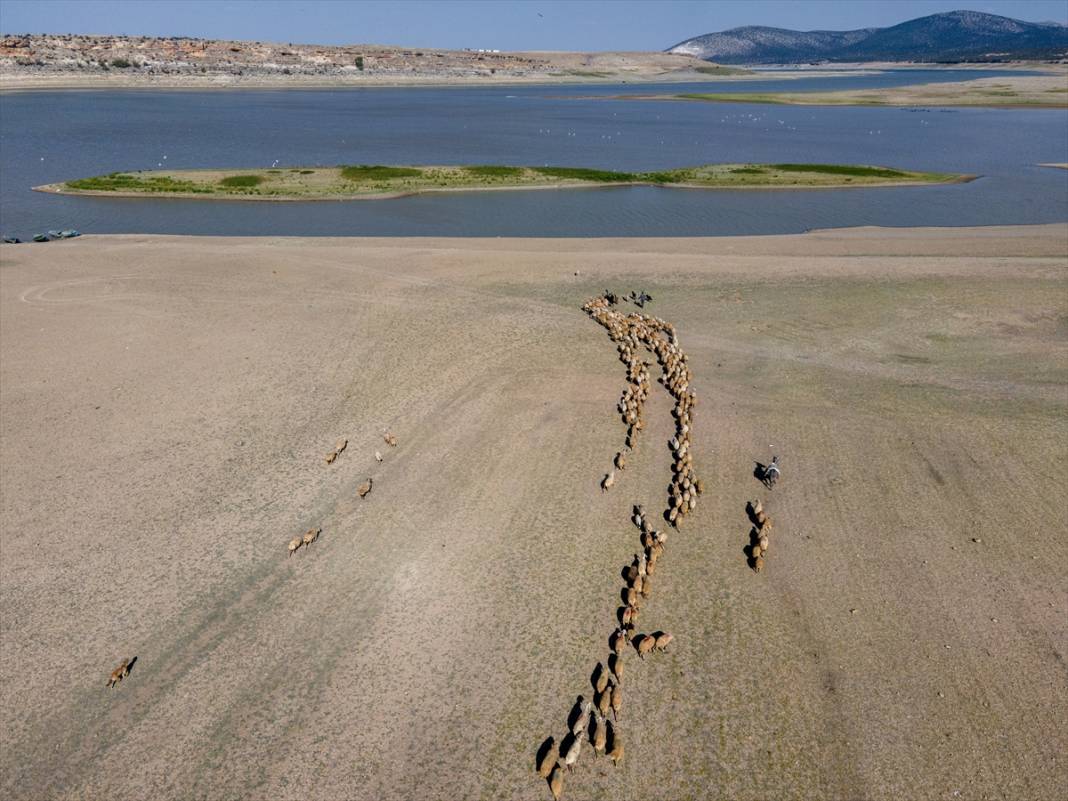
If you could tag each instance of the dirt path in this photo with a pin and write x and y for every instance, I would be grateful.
(166, 403)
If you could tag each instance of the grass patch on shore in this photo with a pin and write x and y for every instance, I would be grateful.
(382, 180)
(243, 181)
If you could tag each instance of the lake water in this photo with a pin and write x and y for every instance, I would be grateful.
(53, 136)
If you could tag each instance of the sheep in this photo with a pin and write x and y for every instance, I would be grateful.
(600, 736)
(338, 448)
(390, 439)
(365, 488)
(295, 543)
(615, 751)
(617, 701)
(378, 456)
(641, 563)
(631, 573)
(608, 481)
(572, 755)
(615, 664)
(645, 645)
(604, 701)
(119, 673)
(620, 461)
(629, 596)
(647, 587)
(310, 536)
(547, 763)
(600, 678)
(662, 639)
(629, 616)
(636, 584)
(697, 485)
(556, 782)
(758, 563)
(618, 640)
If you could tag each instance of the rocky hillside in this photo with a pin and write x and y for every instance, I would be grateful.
(953, 36)
(179, 60)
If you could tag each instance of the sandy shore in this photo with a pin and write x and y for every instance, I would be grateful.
(1049, 90)
(166, 404)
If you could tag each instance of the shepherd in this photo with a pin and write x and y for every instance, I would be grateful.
(771, 473)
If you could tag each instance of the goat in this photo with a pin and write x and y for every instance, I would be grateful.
(580, 715)
(608, 481)
(338, 448)
(119, 673)
(572, 755)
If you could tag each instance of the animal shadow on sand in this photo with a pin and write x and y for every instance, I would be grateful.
(752, 550)
(760, 473)
(130, 667)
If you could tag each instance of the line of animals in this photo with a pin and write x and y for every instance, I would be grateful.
(588, 720)
(312, 534)
(758, 534)
(304, 541)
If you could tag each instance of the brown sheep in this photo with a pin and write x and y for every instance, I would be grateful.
(620, 461)
(295, 543)
(365, 488)
(310, 536)
(580, 715)
(119, 673)
(604, 701)
(615, 751)
(618, 640)
(615, 664)
(645, 645)
(548, 761)
(617, 701)
(556, 782)
(390, 439)
(662, 639)
(600, 678)
(600, 735)
(338, 448)
(647, 587)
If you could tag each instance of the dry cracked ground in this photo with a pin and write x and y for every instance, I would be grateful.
(167, 404)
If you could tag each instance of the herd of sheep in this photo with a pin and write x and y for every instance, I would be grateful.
(635, 334)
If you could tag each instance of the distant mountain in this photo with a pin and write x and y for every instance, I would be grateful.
(953, 36)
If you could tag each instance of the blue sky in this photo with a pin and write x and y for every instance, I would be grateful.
(505, 24)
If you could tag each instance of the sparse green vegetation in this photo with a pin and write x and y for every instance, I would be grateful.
(120, 63)
(494, 170)
(242, 181)
(841, 169)
(127, 182)
(366, 180)
(583, 174)
(377, 172)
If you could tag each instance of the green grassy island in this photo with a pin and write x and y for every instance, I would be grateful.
(378, 181)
